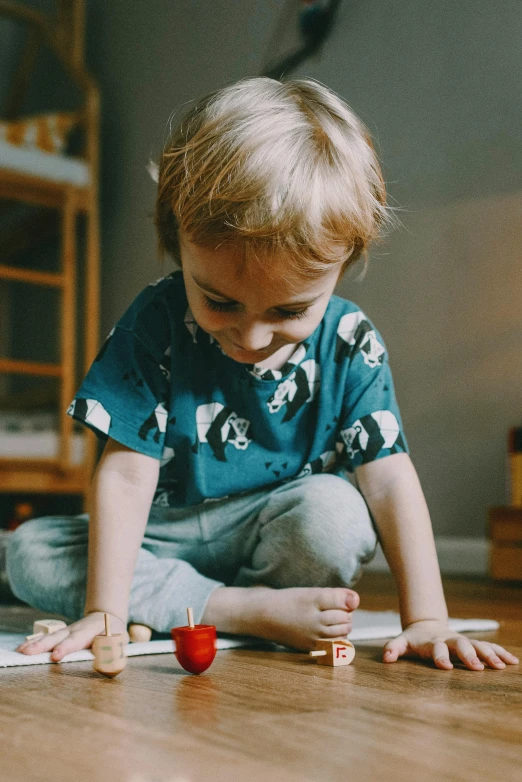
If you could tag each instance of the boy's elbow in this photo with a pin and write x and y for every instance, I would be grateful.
(132, 468)
(378, 477)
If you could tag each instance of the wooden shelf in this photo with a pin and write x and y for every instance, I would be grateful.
(51, 279)
(63, 35)
(10, 366)
(41, 476)
(30, 189)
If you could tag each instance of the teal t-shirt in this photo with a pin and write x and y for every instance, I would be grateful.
(163, 387)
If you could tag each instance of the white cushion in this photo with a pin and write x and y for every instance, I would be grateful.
(57, 168)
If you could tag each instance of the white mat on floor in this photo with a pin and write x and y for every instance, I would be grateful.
(367, 626)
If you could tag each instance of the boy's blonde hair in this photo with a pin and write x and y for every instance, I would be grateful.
(274, 167)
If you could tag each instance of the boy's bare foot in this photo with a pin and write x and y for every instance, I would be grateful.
(294, 617)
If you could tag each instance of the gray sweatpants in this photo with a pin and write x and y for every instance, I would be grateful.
(313, 531)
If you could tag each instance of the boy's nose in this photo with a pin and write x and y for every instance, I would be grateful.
(253, 337)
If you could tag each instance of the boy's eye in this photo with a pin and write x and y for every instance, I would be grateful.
(295, 314)
(219, 306)
(230, 306)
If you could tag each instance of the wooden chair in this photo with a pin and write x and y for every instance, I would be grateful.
(70, 196)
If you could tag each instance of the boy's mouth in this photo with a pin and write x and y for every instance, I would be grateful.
(249, 356)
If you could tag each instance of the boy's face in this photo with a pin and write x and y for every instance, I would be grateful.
(256, 313)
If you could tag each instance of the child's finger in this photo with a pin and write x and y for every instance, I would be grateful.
(75, 641)
(464, 649)
(488, 654)
(43, 644)
(504, 654)
(395, 649)
(441, 656)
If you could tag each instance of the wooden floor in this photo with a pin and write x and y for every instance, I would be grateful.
(274, 716)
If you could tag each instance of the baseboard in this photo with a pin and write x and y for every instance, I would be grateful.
(457, 557)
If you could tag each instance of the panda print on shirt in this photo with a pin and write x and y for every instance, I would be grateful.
(301, 385)
(367, 436)
(92, 412)
(296, 390)
(165, 493)
(156, 422)
(324, 463)
(219, 426)
(355, 334)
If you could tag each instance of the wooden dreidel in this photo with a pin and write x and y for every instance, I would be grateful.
(334, 651)
(109, 652)
(44, 627)
(195, 645)
(139, 633)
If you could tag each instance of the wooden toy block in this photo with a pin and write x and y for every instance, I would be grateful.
(109, 652)
(505, 532)
(139, 633)
(48, 626)
(195, 645)
(333, 651)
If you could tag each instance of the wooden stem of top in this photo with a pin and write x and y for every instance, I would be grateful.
(107, 625)
(190, 615)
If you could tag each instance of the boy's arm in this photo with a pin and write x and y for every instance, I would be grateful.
(393, 493)
(120, 500)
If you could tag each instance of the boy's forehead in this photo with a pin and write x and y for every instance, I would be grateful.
(224, 267)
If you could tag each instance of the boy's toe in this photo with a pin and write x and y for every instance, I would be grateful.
(352, 600)
(340, 598)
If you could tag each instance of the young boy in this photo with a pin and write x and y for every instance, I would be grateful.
(234, 395)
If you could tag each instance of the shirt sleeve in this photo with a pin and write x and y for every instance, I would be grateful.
(371, 425)
(125, 393)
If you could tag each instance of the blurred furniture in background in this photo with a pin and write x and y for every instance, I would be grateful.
(60, 191)
(505, 521)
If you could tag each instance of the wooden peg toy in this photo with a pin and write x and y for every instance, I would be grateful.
(139, 633)
(195, 645)
(48, 625)
(109, 652)
(334, 651)
(44, 627)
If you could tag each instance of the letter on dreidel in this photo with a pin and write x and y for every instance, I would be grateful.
(334, 651)
(109, 652)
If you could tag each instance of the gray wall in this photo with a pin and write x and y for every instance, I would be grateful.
(439, 86)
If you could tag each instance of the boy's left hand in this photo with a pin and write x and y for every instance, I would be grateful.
(432, 640)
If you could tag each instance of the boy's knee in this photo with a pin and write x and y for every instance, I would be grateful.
(331, 506)
(30, 549)
(19, 557)
(329, 528)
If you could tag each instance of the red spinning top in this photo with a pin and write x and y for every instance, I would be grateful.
(195, 645)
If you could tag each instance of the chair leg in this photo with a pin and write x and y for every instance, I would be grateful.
(68, 322)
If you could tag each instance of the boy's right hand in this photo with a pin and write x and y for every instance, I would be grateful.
(76, 636)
